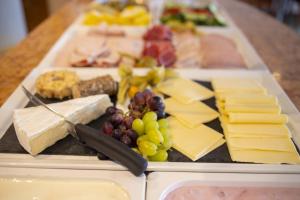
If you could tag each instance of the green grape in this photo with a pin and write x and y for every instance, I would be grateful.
(155, 136)
(138, 126)
(167, 143)
(164, 131)
(161, 155)
(136, 150)
(149, 116)
(151, 125)
(163, 123)
(141, 138)
(147, 148)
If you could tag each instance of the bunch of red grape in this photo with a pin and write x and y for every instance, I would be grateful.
(144, 102)
(143, 127)
(119, 126)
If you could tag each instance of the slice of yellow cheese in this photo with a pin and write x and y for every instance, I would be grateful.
(196, 142)
(241, 95)
(275, 144)
(191, 115)
(268, 157)
(256, 130)
(251, 109)
(192, 120)
(265, 100)
(219, 143)
(235, 85)
(184, 90)
(261, 118)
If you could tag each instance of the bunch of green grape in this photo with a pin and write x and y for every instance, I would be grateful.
(154, 138)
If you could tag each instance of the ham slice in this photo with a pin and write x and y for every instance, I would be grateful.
(129, 46)
(81, 51)
(187, 47)
(110, 60)
(220, 52)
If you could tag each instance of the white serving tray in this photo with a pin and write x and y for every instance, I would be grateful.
(19, 100)
(159, 184)
(135, 186)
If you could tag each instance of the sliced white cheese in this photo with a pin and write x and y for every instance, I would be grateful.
(191, 115)
(37, 128)
(195, 142)
(184, 90)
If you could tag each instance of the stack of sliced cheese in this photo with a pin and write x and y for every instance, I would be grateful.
(253, 125)
(37, 128)
(190, 136)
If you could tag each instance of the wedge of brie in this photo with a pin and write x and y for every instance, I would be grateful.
(37, 128)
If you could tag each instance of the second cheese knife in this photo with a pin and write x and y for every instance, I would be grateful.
(100, 142)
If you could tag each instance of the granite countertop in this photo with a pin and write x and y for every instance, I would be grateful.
(278, 46)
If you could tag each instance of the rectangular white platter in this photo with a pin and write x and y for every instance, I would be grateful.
(19, 100)
(159, 184)
(134, 186)
(252, 59)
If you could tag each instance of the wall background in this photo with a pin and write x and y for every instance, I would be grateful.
(12, 23)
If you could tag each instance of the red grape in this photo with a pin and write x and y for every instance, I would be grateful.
(110, 110)
(126, 140)
(155, 103)
(139, 99)
(160, 114)
(128, 121)
(132, 134)
(117, 133)
(116, 119)
(107, 128)
(147, 94)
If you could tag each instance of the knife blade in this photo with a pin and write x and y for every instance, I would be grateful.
(100, 142)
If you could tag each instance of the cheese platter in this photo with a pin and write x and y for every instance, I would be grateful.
(67, 153)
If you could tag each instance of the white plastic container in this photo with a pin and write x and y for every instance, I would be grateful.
(160, 184)
(122, 181)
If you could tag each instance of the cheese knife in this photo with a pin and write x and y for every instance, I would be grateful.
(100, 142)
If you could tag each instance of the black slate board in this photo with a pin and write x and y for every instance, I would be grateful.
(69, 146)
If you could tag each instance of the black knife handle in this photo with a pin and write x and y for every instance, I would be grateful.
(112, 148)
